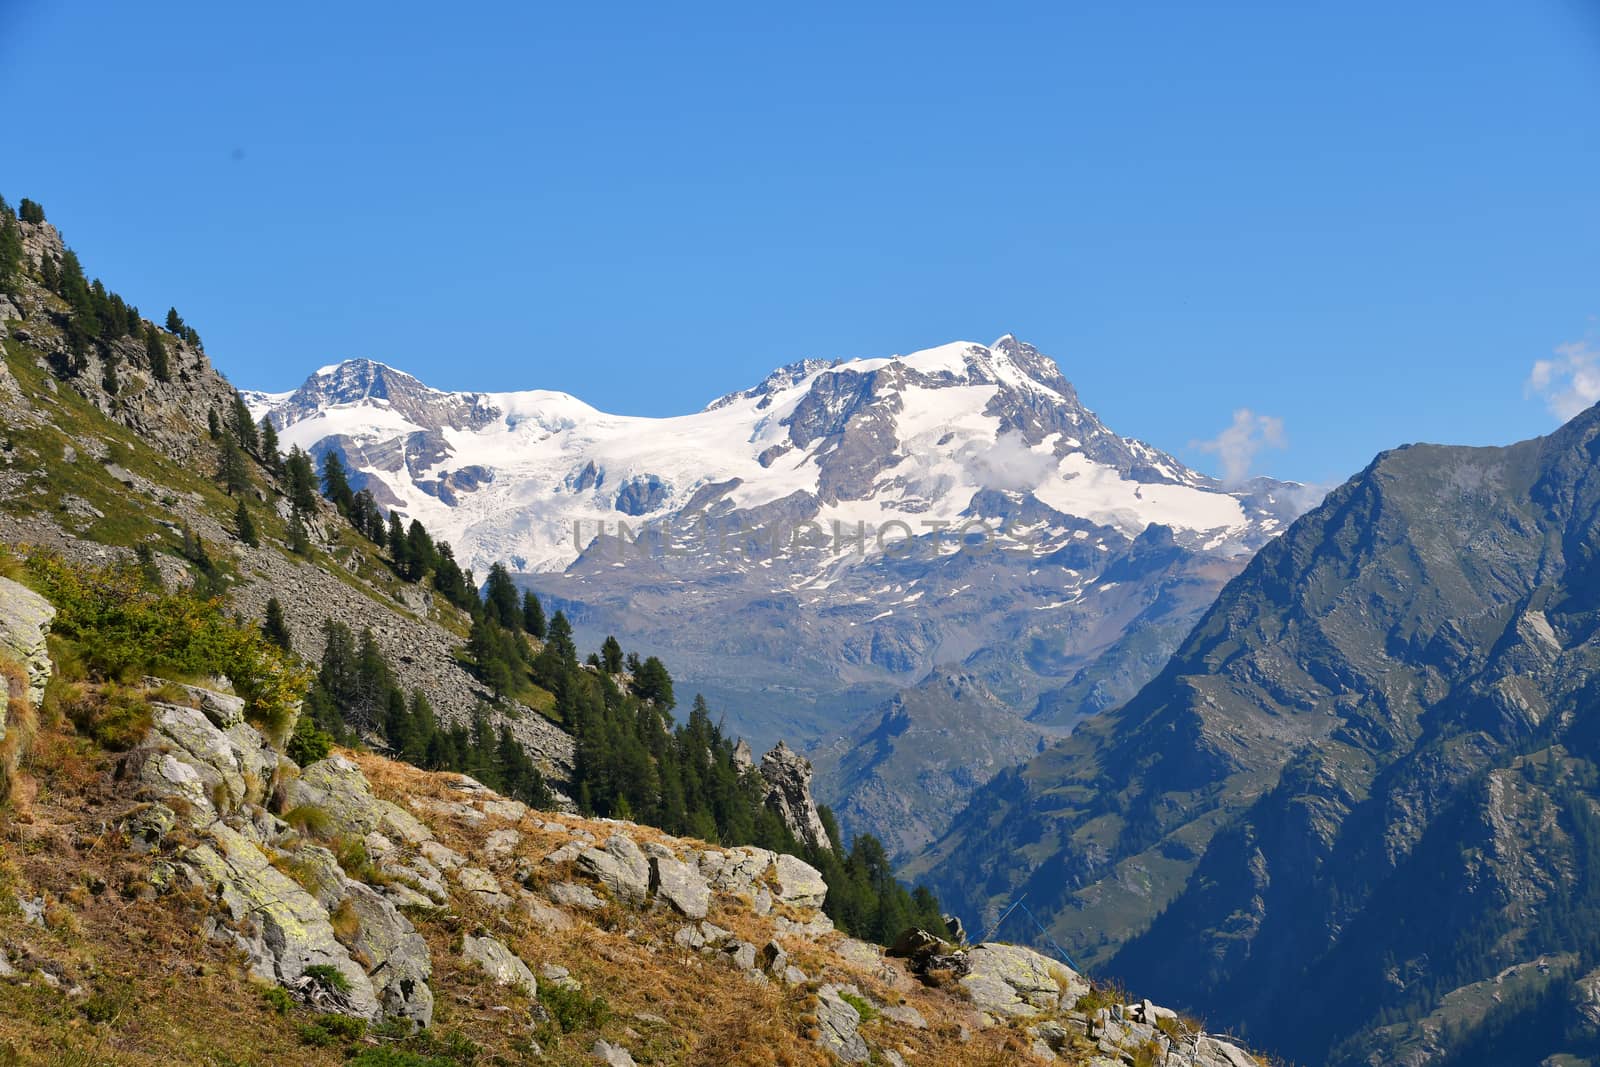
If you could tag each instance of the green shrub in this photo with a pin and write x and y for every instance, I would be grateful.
(572, 1009)
(122, 628)
(278, 999)
(309, 742)
(329, 977)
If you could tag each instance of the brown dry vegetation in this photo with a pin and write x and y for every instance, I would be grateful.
(120, 975)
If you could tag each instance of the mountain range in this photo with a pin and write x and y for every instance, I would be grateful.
(810, 550)
(1355, 815)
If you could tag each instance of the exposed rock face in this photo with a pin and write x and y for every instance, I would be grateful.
(1366, 755)
(788, 776)
(25, 619)
(207, 761)
(499, 963)
(1011, 980)
(837, 1020)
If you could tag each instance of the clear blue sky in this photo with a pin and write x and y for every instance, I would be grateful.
(1368, 220)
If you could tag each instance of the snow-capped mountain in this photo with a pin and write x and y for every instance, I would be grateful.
(803, 550)
(953, 434)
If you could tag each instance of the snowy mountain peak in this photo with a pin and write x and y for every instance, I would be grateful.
(955, 433)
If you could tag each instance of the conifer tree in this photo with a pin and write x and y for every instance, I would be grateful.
(31, 211)
(245, 525)
(213, 427)
(335, 485)
(271, 457)
(231, 468)
(533, 614)
(48, 272)
(500, 598)
(299, 539)
(155, 351)
(559, 639)
(420, 553)
(174, 322)
(276, 628)
(399, 545)
(611, 656)
(244, 427)
(302, 481)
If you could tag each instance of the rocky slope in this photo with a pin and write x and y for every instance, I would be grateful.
(796, 549)
(201, 898)
(1355, 814)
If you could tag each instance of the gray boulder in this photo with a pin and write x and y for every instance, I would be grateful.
(25, 619)
(611, 1055)
(499, 963)
(280, 927)
(1015, 981)
(620, 867)
(788, 777)
(337, 786)
(797, 883)
(679, 885)
(837, 1022)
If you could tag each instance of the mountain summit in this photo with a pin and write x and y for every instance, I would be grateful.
(807, 548)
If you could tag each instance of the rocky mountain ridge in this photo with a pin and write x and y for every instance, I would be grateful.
(753, 559)
(381, 914)
(1354, 815)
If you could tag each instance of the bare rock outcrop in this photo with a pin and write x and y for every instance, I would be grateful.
(788, 776)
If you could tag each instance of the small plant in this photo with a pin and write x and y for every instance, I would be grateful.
(572, 1009)
(862, 1005)
(277, 998)
(310, 819)
(329, 977)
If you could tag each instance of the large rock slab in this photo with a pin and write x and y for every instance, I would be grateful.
(620, 866)
(337, 786)
(797, 883)
(281, 928)
(680, 885)
(25, 619)
(501, 964)
(837, 1021)
(1012, 980)
(188, 756)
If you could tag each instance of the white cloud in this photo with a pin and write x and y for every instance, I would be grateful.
(1009, 463)
(1237, 446)
(1569, 382)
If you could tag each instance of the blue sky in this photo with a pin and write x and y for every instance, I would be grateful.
(1366, 220)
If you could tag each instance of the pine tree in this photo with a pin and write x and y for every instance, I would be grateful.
(244, 427)
(500, 598)
(420, 553)
(299, 539)
(30, 211)
(302, 481)
(559, 638)
(174, 322)
(533, 614)
(155, 351)
(48, 273)
(335, 484)
(231, 468)
(245, 525)
(399, 545)
(270, 456)
(13, 256)
(213, 427)
(276, 628)
(611, 656)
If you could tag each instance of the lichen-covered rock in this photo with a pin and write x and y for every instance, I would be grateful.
(337, 787)
(679, 885)
(25, 619)
(1011, 980)
(620, 867)
(797, 883)
(612, 1055)
(837, 1023)
(281, 928)
(499, 963)
(188, 756)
